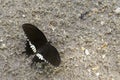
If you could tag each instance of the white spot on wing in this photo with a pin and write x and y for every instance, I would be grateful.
(40, 57)
(32, 46)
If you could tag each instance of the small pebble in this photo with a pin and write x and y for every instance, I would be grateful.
(82, 48)
(76, 65)
(10, 21)
(53, 28)
(95, 68)
(102, 16)
(102, 22)
(23, 16)
(89, 70)
(112, 79)
(97, 74)
(1, 40)
(117, 10)
(95, 10)
(3, 46)
(86, 52)
(104, 45)
(103, 56)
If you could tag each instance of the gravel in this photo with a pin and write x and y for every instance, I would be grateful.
(85, 32)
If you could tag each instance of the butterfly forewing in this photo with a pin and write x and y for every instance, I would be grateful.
(28, 49)
(35, 36)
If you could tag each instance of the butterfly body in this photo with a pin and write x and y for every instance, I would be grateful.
(37, 44)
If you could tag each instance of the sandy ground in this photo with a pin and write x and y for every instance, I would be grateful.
(89, 45)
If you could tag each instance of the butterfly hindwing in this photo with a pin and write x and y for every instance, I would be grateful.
(51, 54)
(35, 36)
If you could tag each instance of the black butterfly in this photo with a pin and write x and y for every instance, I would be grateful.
(37, 44)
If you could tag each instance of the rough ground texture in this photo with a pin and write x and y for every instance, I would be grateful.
(85, 32)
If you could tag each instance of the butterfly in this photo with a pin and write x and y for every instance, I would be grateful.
(37, 44)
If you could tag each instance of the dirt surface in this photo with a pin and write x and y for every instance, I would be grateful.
(85, 32)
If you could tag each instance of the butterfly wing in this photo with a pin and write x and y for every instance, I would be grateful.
(35, 36)
(51, 55)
